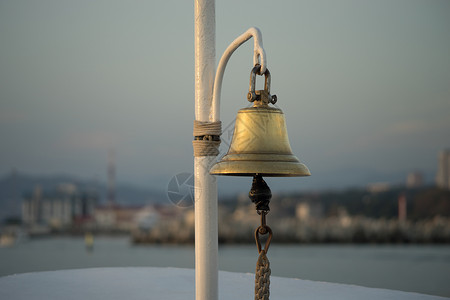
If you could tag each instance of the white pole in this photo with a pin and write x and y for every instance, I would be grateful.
(206, 221)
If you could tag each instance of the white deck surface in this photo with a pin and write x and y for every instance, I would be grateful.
(173, 284)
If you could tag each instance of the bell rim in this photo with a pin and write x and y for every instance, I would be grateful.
(287, 157)
(263, 168)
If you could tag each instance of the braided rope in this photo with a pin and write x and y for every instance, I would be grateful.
(206, 130)
(262, 277)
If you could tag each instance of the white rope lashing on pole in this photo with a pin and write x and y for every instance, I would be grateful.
(204, 143)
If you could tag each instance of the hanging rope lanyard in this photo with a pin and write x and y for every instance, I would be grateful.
(262, 273)
(260, 194)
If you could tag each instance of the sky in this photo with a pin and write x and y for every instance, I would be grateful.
(364, 85)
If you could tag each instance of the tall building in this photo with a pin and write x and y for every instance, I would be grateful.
(443, 173)
(58, 208)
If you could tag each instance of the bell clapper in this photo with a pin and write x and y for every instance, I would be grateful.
(260, 194)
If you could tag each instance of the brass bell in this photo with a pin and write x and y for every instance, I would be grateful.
(260, 144)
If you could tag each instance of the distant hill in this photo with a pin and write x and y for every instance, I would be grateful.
(14, 186)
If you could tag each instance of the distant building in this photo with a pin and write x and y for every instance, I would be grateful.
(414, 180)
(122, 218)
(116, 217)
(59, 208)
(443, 173)
(245, 213)
(378, 187)
(307, 210)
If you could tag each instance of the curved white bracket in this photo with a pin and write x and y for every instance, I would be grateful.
(259, 57)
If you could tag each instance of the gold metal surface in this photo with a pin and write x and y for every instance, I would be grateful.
(260, 145)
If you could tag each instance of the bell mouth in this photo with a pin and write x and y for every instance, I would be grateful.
(263, 168)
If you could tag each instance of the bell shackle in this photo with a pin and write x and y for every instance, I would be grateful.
(256, 95)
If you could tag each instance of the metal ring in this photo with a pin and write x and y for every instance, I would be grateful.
(258, 242)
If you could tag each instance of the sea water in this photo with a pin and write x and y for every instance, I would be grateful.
(413, 268)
